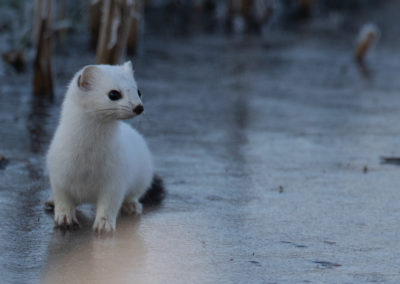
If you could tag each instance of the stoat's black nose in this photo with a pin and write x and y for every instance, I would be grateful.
(139, 109)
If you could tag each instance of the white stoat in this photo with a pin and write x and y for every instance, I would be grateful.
(94, 157)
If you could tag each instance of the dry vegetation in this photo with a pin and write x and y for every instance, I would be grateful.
(114, 27)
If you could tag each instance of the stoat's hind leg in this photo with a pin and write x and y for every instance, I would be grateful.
(132, 207)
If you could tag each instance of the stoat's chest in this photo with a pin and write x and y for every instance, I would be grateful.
(91, 170)
(88, 158)
(94, 159)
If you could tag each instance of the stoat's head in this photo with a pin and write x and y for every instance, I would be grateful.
(109, 91)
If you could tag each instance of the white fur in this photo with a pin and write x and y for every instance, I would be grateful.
(94, 157)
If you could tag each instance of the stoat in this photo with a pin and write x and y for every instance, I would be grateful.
(96, 158)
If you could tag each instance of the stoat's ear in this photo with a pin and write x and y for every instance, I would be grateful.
(87, 78)
(128, 66)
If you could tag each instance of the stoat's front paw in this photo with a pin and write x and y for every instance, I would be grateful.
(66, 220)
(132, 207)
(103, 225)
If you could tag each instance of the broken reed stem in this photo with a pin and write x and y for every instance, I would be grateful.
(135, 28)
(364, 46)
(42, 78)
(367, 36)
(94, 21)
(105, 26)
(114, 31)
(255, 14)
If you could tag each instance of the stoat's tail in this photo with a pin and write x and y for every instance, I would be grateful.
(155, 194)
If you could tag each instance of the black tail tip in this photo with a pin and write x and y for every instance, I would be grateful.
(155, 194)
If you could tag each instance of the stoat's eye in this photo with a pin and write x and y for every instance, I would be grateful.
(114, 95)
(139, 93)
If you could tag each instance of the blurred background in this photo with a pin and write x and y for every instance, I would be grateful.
(267, 120)
(33, 33)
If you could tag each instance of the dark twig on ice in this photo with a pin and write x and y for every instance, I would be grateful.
(391, 160)
(3, 162)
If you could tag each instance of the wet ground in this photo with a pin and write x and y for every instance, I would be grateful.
(270, 151)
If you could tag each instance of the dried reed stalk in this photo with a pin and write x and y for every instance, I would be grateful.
(43, 79)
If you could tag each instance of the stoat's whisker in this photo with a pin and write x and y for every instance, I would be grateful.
(110, 110)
